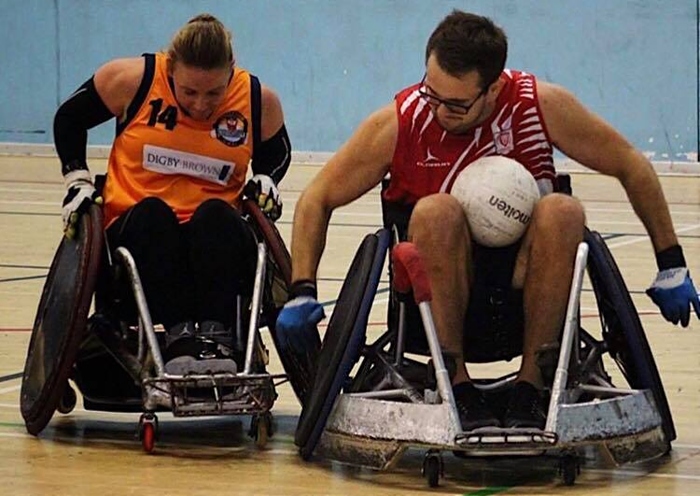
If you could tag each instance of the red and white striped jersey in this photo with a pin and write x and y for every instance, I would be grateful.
(427, 159)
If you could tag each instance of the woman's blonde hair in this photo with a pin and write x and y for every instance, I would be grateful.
(203, 42)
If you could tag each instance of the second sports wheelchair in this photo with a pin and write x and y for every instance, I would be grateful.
(380, 398)
(118, 366)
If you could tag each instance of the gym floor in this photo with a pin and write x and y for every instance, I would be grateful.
(99, 453)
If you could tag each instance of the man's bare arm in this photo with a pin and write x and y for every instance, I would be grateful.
(588, 139)
(358, 166)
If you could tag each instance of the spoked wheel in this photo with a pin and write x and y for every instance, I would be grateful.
(371, 371)
(622, 330)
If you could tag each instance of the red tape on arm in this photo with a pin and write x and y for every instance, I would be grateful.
(409, 272)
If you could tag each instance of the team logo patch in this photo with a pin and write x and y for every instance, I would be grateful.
(503, 141)
(231, 129)
(432, 161)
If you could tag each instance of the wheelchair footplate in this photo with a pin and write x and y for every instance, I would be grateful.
(510, 441)
(246, 392)
(211, 394)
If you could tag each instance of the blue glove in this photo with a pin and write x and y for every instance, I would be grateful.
(674, 293)
(296, 323)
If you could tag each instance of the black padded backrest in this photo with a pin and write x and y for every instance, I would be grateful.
(395, 215)
(562, 183)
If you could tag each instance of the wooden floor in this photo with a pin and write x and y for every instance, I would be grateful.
(89, 453)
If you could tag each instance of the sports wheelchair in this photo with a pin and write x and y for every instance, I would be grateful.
(380, 398)
(118, 365)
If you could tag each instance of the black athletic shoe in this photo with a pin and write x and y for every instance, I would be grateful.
(525, 407)
(183, 330)
(190, 355)
(473, 410)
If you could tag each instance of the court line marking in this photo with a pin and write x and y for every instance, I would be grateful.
(490, 491)
(9, 377)
(292, 451)
(637, 238)
(11, 389)
(644, 474)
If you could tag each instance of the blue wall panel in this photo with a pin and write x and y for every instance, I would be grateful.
(28, 80)
(632, 61)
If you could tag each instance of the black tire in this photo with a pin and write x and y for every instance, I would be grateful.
(431, 470)
(343, 340)
(61, 321)
(569, 466)
(622, 329)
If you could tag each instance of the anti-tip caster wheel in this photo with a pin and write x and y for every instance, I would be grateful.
(148, 431)
(68, 400)
(432, 468)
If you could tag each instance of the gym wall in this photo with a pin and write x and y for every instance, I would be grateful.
(635, 62)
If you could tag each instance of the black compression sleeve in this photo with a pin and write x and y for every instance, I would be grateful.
(83, 110)
(273, 156)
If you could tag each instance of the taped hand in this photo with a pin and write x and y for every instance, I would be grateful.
(263, 190)
(80, 195)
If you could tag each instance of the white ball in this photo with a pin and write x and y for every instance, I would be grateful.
(498, 195)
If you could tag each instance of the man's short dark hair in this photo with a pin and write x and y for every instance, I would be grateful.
(464, 42)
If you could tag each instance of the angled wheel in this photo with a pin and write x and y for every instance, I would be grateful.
(300, 370)
(622, 329)
(60, 321)
(343, 339)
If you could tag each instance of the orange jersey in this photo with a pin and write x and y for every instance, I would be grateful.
(160, 151)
